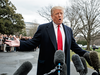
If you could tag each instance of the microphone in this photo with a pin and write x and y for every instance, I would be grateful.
(85, 71)
(94, 73)
(59, 57)
(64, 70)
(95, 60)
(24, 69)
(86, 56)
(59, 60)
(78, 63)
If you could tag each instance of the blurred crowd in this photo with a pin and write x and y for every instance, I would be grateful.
(6, 48)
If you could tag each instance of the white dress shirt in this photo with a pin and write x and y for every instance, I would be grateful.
(62, 31)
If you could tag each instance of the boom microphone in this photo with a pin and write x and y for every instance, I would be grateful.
(95, 60)
(24, 69)
(86, 56)
(77, 63)
(85, 71)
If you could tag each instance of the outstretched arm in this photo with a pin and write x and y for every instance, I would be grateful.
(14, 43)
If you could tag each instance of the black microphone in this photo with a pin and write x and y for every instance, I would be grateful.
(59, 57)
(95, 60)
(59, 60)
(86, 56)
(94, 73)
(24, 69)
(64, 70)
(85, 71)
(78, 63)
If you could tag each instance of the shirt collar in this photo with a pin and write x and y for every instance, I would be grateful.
(55, 25)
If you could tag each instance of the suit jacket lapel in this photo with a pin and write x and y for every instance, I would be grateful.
(50, 30)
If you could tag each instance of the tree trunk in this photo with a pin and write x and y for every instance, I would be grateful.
(88, 46)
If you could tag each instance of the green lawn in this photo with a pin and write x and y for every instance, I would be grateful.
(71, 53)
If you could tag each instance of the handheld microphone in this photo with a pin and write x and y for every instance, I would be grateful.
(77, 63)
(86, 56)
(24, 69)
(85, 71)
(59, 60)
(95, 60)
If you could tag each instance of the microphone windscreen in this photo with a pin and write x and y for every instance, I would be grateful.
(85, 71)
(77, 63)
(94, 73)
(94, 60)
(24, 69)
(64, 70)
(86, 56)
(59, 57)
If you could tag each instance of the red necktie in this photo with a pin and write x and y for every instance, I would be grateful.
(59, 39)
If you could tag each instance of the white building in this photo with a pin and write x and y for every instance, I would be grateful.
(29, 26)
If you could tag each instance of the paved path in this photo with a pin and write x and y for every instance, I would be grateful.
(10, 61)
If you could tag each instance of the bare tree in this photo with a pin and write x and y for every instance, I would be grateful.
(46, 12)
(89, 14)
(72, 15)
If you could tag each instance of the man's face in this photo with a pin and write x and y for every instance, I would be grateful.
(57, 16)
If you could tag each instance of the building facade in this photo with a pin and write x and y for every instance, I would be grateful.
(30, 26)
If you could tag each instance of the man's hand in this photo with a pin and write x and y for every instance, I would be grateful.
(13, 43)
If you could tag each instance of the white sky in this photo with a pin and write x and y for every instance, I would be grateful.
(29, 8)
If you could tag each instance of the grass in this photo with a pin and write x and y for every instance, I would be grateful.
(98, 51)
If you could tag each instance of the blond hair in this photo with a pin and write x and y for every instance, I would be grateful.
(56, 7)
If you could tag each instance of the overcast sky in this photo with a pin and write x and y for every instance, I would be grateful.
(29, 8)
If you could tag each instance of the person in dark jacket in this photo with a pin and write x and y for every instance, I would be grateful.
(47, 40)
(94, 47)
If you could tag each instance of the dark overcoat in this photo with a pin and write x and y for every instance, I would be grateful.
(46, 40)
